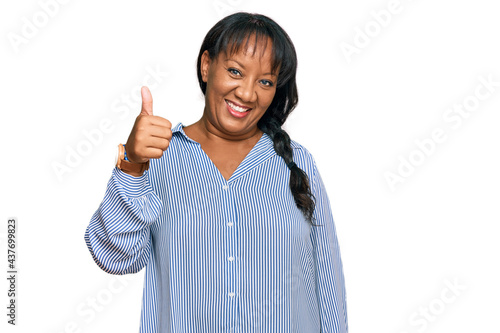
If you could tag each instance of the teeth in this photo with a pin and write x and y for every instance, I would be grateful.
(236, 108)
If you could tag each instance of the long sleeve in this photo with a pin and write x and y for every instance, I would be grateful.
(329, 272)
(118, 236)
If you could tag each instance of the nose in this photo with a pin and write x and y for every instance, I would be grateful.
(246, 91)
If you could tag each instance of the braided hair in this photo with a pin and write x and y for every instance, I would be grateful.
(228, 35)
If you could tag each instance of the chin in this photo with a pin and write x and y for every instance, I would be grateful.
(231, 127)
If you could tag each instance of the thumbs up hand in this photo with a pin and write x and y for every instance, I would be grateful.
(150, 135)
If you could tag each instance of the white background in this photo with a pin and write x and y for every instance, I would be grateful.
(360, 115)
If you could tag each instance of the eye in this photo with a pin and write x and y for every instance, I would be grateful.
(267, 83)
(234, 71)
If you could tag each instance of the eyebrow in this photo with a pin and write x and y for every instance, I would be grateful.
(241, 65)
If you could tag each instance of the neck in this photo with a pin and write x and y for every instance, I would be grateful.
(212, 133)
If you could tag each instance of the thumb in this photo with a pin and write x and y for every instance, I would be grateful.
(147, 101)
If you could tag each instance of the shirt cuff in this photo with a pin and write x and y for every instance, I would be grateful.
(132, 186)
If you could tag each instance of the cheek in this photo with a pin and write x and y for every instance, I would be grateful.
(221, 87)
(267, 99)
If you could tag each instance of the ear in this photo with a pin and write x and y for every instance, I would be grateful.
(204, 66)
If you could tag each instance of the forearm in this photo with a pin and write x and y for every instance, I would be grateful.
(118, 235)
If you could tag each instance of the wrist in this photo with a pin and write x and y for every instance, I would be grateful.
(127, 156)
(124, 163)
(135, 174)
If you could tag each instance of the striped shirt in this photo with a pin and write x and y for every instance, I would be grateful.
(222, 255)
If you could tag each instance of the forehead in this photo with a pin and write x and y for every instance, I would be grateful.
(251, 49)
(251, 45)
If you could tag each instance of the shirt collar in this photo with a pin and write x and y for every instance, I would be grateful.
(262, 151)
(264, 141)
(180, 129)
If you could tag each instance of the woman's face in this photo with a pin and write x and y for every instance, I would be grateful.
(240, 88)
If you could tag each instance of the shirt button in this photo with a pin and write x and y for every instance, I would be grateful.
(231, 258)
(225, 187)
(229, 224)
(231, 294)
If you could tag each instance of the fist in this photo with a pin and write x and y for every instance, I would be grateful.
(150, 135)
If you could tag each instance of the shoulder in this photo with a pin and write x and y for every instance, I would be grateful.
(301, 151)
(304, 158)
(179, 139)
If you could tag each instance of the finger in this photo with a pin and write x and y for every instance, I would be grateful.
(160, 132)
(160, 121)
(159, 143)
(153, 152)
(147, 101)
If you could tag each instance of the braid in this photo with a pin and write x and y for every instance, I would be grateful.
(299, 182)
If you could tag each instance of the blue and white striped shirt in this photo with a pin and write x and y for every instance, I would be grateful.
(222, 255)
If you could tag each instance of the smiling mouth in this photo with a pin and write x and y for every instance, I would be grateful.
(237, 108)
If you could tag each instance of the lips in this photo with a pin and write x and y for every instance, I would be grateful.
(237, 110)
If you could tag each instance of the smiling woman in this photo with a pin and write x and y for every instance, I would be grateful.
(232, 222)
(239, 89)
(239, 83)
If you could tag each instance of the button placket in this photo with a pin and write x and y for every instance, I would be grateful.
(231, 247)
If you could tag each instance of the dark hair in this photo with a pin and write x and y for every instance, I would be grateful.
(228, 35)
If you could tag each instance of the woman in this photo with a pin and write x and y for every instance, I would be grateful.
(232, 221)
